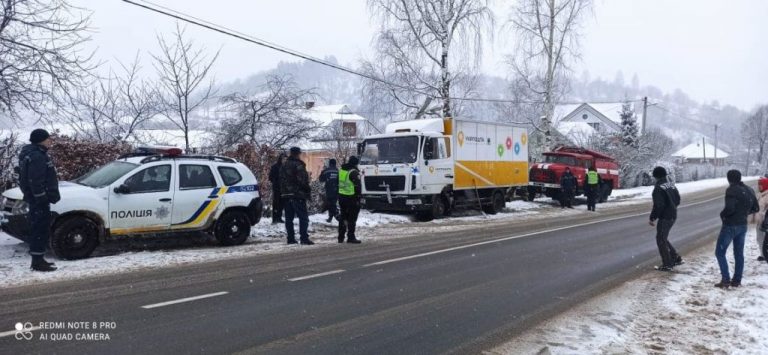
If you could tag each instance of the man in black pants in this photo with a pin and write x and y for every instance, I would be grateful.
(38, 182)
(295, 191)
(568, 184)
(274, 179)
(666, 198)
(349, 200)
(330, 177)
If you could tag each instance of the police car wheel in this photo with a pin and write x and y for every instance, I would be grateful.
(232, 228)
(75, 238)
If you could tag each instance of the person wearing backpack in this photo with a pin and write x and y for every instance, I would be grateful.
(740, 202)
(760, 220)
(666, 198)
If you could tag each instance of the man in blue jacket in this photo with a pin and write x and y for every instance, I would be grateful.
(740, 202)
(330, 177)
(666, 198)
(40, 186)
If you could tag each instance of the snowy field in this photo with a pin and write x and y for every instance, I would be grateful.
(664, 313)
(270, 239)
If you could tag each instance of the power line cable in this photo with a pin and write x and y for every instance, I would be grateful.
(166, 11)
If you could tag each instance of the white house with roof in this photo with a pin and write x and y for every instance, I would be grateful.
(603, 118)
(700, 153)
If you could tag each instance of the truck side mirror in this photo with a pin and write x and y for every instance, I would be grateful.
(122, 189)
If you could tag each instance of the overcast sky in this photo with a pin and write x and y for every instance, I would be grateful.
(711, 49)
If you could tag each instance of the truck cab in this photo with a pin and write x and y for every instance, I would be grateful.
(404, 168)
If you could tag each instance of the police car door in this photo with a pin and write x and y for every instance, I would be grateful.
(143, 201)
(198, 195)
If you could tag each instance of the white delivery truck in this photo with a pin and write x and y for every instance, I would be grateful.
(431, 166)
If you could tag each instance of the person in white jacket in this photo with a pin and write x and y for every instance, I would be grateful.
(757, 218)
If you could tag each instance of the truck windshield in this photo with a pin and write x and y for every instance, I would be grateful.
(394, 150)
(558, 159)
(106, 174)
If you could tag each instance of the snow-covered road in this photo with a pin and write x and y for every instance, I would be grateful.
(269, 239)
(664, 313)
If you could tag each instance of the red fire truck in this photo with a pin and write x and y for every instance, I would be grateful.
(545, 176)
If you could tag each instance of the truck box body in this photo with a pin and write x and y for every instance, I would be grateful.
(490, 155)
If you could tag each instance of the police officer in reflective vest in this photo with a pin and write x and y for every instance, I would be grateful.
(592, 188)
(349, 200)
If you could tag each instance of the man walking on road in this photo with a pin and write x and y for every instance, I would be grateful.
(295, 191)
(568, 185)
(592, 188)
(40, 186)
(666, 198)
(740, 202)
(330, 177)
(274, 179)
(349, 200)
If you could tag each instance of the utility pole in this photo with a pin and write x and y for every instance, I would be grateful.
(715, 163)
(704, 148)
(645, 112)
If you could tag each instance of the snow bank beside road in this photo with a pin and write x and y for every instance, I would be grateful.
(660, 313)
(270, 239)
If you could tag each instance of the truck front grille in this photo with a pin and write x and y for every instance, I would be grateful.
(540, 175)
(380, 183)
(9, 203)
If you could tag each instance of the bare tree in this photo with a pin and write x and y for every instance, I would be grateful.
(9, 149)
(41, 56)
(183, 69)
(425, 45)
(755, 133)
(274, 116)
(114, 107)
(548, 34)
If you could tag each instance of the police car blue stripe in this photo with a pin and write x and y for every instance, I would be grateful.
(197, 213)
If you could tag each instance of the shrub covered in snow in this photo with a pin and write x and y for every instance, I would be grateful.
(76, 157)
(9, 150)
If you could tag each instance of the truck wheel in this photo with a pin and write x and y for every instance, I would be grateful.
(75, 238)
(497, 204)
(232, 228)
(437, 211)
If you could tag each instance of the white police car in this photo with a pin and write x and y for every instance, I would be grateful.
(147, 192)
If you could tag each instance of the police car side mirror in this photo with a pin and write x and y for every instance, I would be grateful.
(122, 189)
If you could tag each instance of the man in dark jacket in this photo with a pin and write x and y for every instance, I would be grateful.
(38, 182)
(330, 177)
(568, 184)
(666, 198)
(295, 191)
(740, 201)
(349, 200)
(277, 201)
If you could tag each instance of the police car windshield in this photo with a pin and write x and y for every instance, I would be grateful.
(393, 150)
(106, 174)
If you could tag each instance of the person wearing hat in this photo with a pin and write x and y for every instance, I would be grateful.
(740, 202)
(349, 200)
(330, 177)
(295, 191)
(759, 218)
(666, 198)
(40, 186)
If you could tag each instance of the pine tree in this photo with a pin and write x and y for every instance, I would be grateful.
(629, 131)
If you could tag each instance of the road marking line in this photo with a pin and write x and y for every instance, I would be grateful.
(182, 300)
(383, 262)
(316, 275)
(13, 332)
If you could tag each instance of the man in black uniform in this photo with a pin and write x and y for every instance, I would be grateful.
(295, 191)
(349, 200)
(568, 183)
(274, 179)
(38, 182)
(666, 198)
(330, 177)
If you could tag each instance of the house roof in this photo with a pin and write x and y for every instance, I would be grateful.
(325, 115)
(696, 151)
(609, 112)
